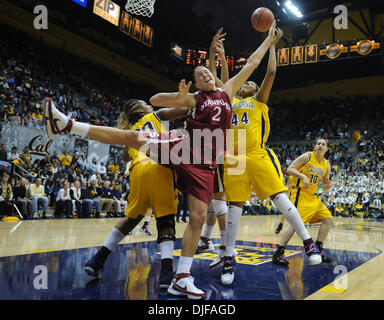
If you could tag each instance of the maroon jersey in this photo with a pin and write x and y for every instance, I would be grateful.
(207, 126)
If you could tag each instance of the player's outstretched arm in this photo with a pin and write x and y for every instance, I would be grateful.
(175, 99)
(235, 83)
(266, 86)
(294, 167)
(212, 55)
(224, 66)
(168, 114)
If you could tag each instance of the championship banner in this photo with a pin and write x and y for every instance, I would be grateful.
(297, 55)
(147, 35)
(311, 53)
(365, 47)
(333, 50)
(283, 57)
(108, 10)
(125, 23)
(137, 27)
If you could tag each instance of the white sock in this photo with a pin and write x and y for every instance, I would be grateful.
(207, 231)
(80, 128)
(113, 239)
(166, 249)
(184, 265)
(290, 212)
(232, 226)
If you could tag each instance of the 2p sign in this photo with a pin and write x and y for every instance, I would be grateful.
(108, 10)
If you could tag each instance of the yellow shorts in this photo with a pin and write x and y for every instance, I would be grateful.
(259, 169)
(310, 207)
(152, 186)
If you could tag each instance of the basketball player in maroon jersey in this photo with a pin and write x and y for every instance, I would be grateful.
(210, 112)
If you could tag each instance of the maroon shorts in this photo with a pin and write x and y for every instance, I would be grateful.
(195, 179)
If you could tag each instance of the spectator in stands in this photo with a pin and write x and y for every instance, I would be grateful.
(93, 166)
(3, 153)
(65, 159)
(55, 157)
(45, 162)
(38, 196)
(82, 163)
(106, 193)
(64, 202)
(37, 115)
(121, 204)
(75, 193)
(14, 156)
(24, 204)
(34, 124)
(48, 189)
(114, 167)
(101, 168)
(97, 194)
(6, 196)
(26, 158)
(89, 201)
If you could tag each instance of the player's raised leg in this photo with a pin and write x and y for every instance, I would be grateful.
(58, 123)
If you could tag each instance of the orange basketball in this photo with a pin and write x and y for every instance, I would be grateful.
(262, 19)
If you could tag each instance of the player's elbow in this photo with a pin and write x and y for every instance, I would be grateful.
(289, 171)
(153, 100)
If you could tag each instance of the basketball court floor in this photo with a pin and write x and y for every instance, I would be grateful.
(62, 247)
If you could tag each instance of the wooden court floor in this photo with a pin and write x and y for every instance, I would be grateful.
(347, 235)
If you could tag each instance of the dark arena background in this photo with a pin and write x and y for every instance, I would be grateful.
(91, 56)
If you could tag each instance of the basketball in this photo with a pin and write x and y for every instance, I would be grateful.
(262, 19)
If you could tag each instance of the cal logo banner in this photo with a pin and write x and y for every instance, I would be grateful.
(311, 53)
(297, 55)
(246, 254)
(283, 57)
(365, 47)
(333, 50)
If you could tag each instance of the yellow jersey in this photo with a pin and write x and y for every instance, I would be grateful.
(314, 171)
(251, 115)
(150, 122)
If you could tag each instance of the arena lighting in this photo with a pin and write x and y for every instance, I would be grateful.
(278, 3)
(293, 9)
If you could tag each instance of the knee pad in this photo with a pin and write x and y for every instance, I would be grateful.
(219, 207)
(166, 228)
